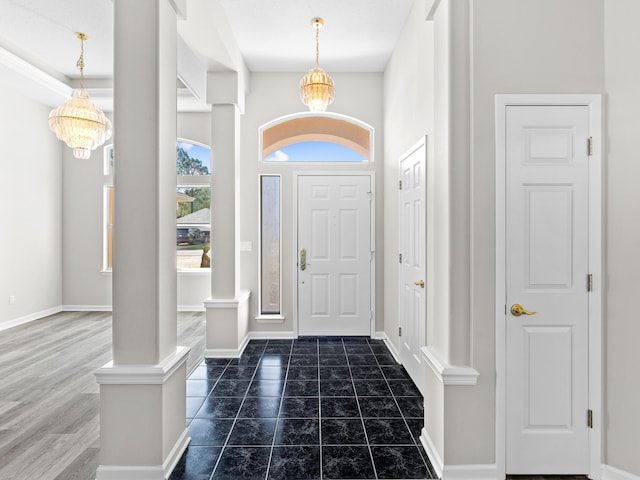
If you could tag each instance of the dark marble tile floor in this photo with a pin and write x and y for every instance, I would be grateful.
(311, 408)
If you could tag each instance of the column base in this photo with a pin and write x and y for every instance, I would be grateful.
(143, 430)
(149, 472)
(227, 326)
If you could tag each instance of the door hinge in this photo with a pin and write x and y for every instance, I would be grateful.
(590, 418)
(400, 185)
(589, 282)
(399, 331)
(590, 142)
(400, 258)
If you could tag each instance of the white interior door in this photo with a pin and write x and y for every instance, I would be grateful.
(412, 225)
(334, 255)
(547, 253)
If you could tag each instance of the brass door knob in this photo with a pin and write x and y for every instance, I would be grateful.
(517, 310)
(420, 283)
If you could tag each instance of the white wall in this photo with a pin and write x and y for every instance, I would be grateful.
(30, 242)
(408, 116)
(622, 77)
(535, 46)
(273, 96)
(84, 285)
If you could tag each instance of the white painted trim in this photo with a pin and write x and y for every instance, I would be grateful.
(191, 308)
(227, 352)
(387, 341)
(29, 318)
(270, 319)
(111, 374)
(432, 453)
(242, 297)
(470, 472)
(150, 472)
(273, 335)
(431, 6)
(266, 318)
(108, 308)
(456, 472)
(52, 88)
(377, 335)
(372, 235)
(594, 102)
(176, 453)
(118, 472)
(612, 473)
(449, 374)
(428, 267)
(86, 308)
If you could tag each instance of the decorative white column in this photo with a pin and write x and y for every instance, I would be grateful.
(143, 390)
(228, 307)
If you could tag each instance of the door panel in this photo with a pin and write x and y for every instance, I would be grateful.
(546, 272)
(412, 226)
(334, 227)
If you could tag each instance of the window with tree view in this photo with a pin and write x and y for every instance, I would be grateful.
(193, 202)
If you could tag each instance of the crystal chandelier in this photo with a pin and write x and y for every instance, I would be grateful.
(316, 87)
(79, 123)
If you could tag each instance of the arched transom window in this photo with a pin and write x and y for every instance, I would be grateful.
(316, 138)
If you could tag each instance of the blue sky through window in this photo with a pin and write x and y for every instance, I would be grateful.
(196, 151)
(315, 152)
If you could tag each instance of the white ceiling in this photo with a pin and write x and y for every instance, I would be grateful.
(273, 35)
(268, 35)
(276, 35)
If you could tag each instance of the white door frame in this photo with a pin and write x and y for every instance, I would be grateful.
(372, 233)
(593, 102)
(428, 251)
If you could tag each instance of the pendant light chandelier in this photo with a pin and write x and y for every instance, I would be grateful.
(79, 123)
(316, 87)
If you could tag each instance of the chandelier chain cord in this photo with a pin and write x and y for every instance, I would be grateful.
(80, 63)
(317, 48)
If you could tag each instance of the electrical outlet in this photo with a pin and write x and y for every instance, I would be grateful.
(12, 299)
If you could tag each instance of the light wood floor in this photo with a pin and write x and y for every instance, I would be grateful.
(49, 398)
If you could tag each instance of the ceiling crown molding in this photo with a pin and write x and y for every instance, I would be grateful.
(31, 80)
(35, 83)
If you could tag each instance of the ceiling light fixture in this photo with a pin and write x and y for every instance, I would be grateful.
(316, 87)
(79, 123)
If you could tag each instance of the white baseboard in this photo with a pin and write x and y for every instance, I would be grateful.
(455, 472)
(470, 472)
(227, 352)
(108, 308)
(176, 453)
(152, 472)
(86, 308)
(432, 452)
(192, 308)
(387, 341)
(117, 472)
(29, 318)
(612, 473)
(278, 335)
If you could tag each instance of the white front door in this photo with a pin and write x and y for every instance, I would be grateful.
(547, 266)
(412, 226)
(334, 255)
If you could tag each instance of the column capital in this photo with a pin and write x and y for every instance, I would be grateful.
(225, 88)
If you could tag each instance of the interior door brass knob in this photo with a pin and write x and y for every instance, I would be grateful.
(420, 283)
(517, 310)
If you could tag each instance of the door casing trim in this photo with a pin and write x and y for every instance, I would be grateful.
(594, 103)
(372, 236)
